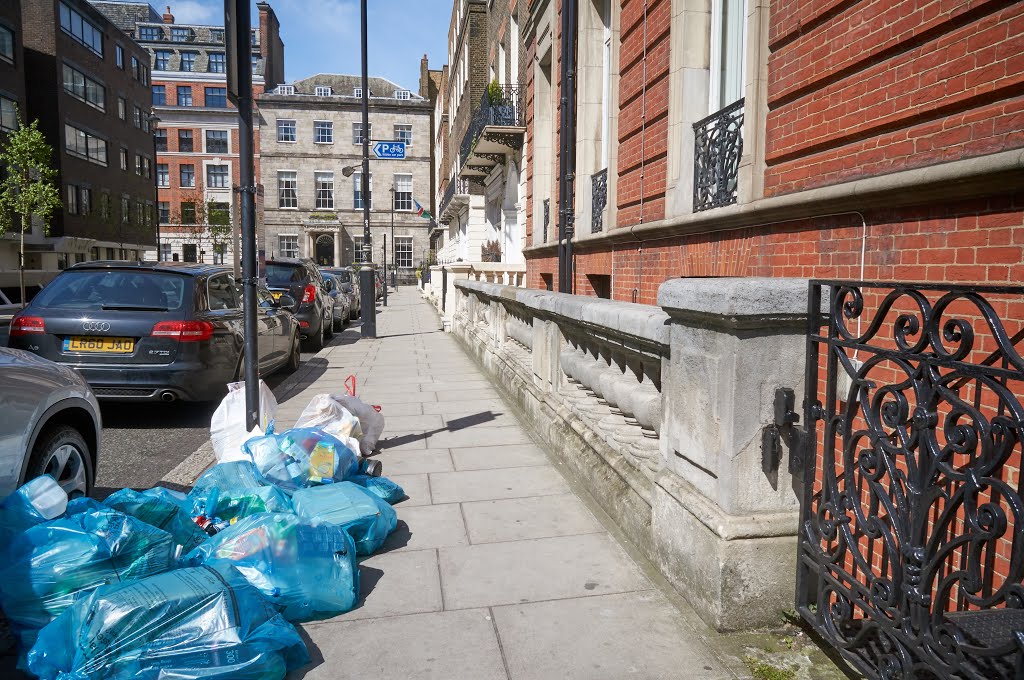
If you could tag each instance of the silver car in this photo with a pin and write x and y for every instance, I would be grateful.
(49, 424)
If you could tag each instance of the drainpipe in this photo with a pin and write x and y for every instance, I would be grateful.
(567, 149)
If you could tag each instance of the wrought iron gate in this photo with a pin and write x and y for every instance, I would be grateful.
(911, 552)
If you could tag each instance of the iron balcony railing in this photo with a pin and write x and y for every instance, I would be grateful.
(718, 146)
(598, 199)
(500, 106)
(457, 186)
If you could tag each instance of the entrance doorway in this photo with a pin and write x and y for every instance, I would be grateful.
(325, 250)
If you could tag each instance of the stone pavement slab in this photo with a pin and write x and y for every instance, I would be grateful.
(424, 527)
(416, 461)
(517, 519)
(490, 457)
(396, 583)
(478, 485)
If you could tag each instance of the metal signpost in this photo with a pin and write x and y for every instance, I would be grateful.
(237, 20)
(389, 151)
(367, 296)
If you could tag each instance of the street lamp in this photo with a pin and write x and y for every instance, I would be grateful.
(152, 119)
(394, 250)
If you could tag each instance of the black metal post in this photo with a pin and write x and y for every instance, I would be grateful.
(394, 251)
(385, 256)
(247, 189)
(567, 149)
(368, 299)
(153, 120)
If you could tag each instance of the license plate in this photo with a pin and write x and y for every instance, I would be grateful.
(277, 294)
(99, 345)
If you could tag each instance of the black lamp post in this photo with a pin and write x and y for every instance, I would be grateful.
(368, 304)
(152, 120)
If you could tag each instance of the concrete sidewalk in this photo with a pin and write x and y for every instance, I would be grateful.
(498, 568)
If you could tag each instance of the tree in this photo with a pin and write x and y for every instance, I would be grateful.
(192, 217)
(29, 187)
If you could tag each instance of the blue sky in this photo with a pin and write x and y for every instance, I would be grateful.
(322, 36)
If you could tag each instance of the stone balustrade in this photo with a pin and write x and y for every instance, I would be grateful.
(659, 412)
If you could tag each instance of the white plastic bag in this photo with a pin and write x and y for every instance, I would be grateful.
(370, 422)
(227, 427)
(324, 412)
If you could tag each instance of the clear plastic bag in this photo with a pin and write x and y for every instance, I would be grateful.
(227, 427)
(304, 570)
(382, 487)
(157, 508)
(205, 623)
(231, 491)
(324, 412)
(301, 457)
(365, 516)
(370, 421)
(49, 565)
(37, 501)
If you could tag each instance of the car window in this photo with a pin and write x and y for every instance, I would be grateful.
(285, 274)
(264, 299)
(221, 293)
(113, 289)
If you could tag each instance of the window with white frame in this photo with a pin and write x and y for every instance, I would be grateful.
(324, 190)
(288, 244)
(217, 177)
(287, 189)
(323, 132)
(165, 252)
(403, 133)
(403, 94)
(162, 59)
(163, 175)
(285, 89)
(403, 192)
(216, 141)
(357, 92)
(188, 60)
(357, 132)
(217, 62)
(357, 255)
(323, 91)
(357, 190)
(286, 130)
(403, 252)
(728, 45)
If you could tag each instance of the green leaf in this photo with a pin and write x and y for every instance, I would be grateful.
(29, 189)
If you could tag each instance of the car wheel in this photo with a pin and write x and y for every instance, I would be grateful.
(62, 453)
(295, 358)
(339, 324)
(317, 343)
(329, 327)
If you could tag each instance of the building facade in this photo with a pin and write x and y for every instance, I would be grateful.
(87, 85)
(748, 138)
(311, 150)
(197, 134)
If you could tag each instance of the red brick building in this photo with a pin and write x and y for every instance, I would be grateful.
(197, 135)
(871, 139)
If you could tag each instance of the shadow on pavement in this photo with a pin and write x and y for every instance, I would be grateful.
(453, 426)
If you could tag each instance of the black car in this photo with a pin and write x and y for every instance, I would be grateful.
(313, 306)
(153, 331)
(349, 284)
(342, 306)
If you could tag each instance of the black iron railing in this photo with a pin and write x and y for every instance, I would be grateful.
(599, 200)
(547, 219)
(500, 107)
(458, 185)
(911, 556)
(718, 146)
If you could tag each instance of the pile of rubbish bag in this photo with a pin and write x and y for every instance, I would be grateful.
(157, 583)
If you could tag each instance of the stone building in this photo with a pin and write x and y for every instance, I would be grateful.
(311, 150)
(87, 83)
(197, 133)
(732, 138)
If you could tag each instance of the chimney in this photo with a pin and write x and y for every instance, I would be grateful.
(424, 78)
(168, 17)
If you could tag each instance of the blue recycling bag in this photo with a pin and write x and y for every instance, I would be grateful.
(37, 501)
(304, 570)
(302, 457)
(206, 623)
(365, 516)
(49, 565)
(382, 487)
(235, 490)
(159, 508)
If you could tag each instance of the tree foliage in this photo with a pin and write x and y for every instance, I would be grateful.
(28, 187)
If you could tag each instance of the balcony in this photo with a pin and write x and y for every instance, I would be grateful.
(718, 147)
(456, 197)
(497, 129)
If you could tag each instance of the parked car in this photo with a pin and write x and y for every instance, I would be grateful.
(302, 281)
(51, 424)
(153, 331)
(349, 285)
(342, 306)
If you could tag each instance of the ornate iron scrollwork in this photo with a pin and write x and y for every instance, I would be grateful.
(718, 146)
(547, 218)
(499, 107)
(598, 200)
(912, 545)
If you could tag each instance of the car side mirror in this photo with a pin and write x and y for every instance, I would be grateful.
(346, 287)
(286, 301)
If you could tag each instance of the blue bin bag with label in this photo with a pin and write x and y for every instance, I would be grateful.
(49, 565)
(382, 487)
(304, 570)
(231, 491)
(205, 623)
(37, 501)
(365, 516)
(162, 512)
(302, 457)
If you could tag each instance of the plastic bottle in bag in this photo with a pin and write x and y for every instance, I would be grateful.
(365, 516)
(297, 458)
(206, 623)
(304, 570)
(155, 508)
(382, 487)
(235, 490)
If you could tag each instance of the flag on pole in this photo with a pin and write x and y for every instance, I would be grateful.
(421, 212)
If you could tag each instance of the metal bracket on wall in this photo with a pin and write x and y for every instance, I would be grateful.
(784, 429)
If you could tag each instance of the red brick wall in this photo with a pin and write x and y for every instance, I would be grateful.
(643, 117)
(883, 86)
